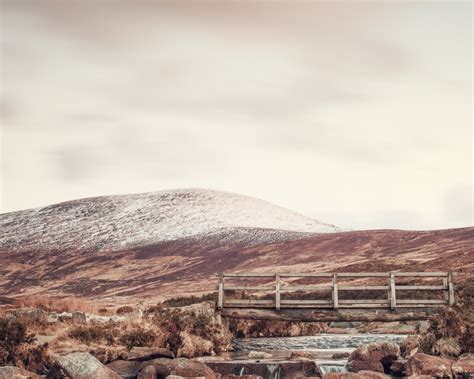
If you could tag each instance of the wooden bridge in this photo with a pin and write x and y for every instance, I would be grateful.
(396, 296)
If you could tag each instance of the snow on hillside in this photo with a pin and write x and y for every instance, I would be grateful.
(127, 221)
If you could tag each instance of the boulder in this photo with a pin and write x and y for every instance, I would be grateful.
(80, 365)
(259, 355)
(353, 375)
(180, 366)
(52, 318)
(397, 367)
(148, 372)
(356, 366)
(383, 353)
(142, 354)
(295, 355)
(423, 364)
(126, 369)
(12, 372)
(340, 355)
(80, 317)
(464, 366)
(36, 314)
(64, 316)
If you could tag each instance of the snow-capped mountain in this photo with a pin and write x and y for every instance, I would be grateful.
(111, 223)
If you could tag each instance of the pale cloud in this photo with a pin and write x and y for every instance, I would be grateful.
(358, 114)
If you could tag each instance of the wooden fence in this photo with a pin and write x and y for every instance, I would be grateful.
(337, 283)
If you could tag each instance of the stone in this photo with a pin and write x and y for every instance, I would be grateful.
(126, 369)
(80, 365)
(259, 355)
(233, 376)
(295, 355)
(397, 367)
(356, 366)
(52, 318)
(148, 372)
(148, 353)
(464, 366)
(378, 352)
(12, 372)
(36, 314)
(423, 364)
(64, 316)
(353, 375)
(79, 317)
(180, 366)
(340, 355)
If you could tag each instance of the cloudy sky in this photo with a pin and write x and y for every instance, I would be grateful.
(358, 114)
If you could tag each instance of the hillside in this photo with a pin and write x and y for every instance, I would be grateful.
(162, 244)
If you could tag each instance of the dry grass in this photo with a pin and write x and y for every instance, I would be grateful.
(54, 304)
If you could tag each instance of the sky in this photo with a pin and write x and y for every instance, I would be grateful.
(354, 113)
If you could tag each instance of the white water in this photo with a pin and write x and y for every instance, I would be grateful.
(323, 346)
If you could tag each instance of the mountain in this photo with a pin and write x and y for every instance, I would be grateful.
(111, 223)
(148, 246)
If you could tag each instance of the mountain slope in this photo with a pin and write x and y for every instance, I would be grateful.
(111, 223)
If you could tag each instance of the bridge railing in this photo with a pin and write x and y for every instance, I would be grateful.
(277, 283)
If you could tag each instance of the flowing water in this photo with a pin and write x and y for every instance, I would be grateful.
(322, 347)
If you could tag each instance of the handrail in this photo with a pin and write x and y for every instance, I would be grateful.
(391, 302)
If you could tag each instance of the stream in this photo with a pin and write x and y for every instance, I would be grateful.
(322, 347)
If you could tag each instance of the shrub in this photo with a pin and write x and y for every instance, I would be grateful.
(16, 347)
(448, 347)
(123, 310)
(138, 337)
(95, 333)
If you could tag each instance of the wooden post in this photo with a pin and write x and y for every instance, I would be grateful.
(277, 291)
(335, 295)
(446, 289)
(392, 294)
(450, 289)
(220, 295)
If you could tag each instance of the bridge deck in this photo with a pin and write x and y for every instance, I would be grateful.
(404, 300)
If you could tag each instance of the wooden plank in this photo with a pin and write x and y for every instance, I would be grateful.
(421, 301)
(363, 288)
(248, 302)
(307, 275)
(422, 274)
(364, 301)
(297, 302)
(363, 274)
(277, 291)
(229, 275)
(450, 289)
(421, 287)
(329, 315)
(249, 288)
(306, 288)
(393, 297)
(446, 293)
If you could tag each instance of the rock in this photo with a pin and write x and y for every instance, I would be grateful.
(36, 314)
(423, 364)
(65, 316)
(52, 318)
(353, 375)
(340, 355)
(79, 317)
(233, 376)
(301, 354)
(259, 355)
(397, 367)
(193, 346)
(180, 366)
(80, 366)
(12, 372)
(126, 369)
(464, 366)
(148, 353)
(409, 346)
(356, 366)
(148, 372)
(378, 352)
